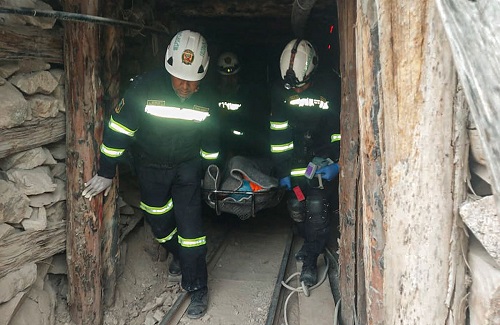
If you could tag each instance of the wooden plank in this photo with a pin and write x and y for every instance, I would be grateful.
(84, 124)
(32, 134)
(349, 161)
(29, 246)
(472, 28)
(22, 42)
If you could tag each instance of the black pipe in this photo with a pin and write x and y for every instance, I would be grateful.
(78, 17)
(300, 14)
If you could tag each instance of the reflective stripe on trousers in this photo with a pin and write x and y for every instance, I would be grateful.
(181, 185)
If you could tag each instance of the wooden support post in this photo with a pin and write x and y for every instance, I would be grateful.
(112, 45)
(84, 133)
(413, 160)
(349, 160)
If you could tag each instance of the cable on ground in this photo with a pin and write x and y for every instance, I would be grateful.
(303, 288)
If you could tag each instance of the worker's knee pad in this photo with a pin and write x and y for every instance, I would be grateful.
(318, 212)
(296, 209)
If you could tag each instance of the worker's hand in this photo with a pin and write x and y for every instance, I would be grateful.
(286, 182)
(96, 185)
(328, 172)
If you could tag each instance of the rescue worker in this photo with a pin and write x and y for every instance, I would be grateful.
(163, 119)
(243, 112)
(305, 145)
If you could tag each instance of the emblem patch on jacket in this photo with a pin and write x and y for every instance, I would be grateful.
(120, 105)
(187, 57)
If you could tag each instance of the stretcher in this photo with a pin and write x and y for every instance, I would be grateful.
(244, 204)
(243, 187)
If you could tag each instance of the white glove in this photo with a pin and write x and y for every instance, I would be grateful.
(96, 185)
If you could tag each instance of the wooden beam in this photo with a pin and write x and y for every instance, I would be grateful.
(83, 137)
(31, 246)
(472, 29)
(349, 162)
(249, 8)
(22, 42)
(112, 45)
(413, 158)
(370, 249)
(32, 134)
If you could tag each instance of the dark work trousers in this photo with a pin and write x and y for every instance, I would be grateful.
(182, 185)
(316, 228)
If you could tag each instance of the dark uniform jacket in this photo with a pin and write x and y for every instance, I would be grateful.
(158, 127)
(244, 118)
(305, 125)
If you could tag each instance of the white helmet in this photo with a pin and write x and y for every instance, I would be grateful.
(297, 63)
(187, 56)
(228, 63)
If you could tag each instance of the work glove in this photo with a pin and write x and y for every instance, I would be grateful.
(328, 172)
(96, 185)
(286, 182)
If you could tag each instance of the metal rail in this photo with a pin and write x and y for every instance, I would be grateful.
(179, 307)
(176, 312)
(278, 288)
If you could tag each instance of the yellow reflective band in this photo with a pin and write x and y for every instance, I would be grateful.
(192, 242)
(277, 148)
(111, 152)
(171, 112)
(335, 137)
(209, 155)
(117, 127)
(236, 132)
(298, 172)
(279, 126)
(157, 210)
(229, 106)
(169, 237)
(310, 102)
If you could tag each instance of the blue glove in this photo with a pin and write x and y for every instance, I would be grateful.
(328, 172)
(286, 182)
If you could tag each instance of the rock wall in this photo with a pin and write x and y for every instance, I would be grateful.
(32, 183)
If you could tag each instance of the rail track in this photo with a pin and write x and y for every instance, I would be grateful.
(247, 263)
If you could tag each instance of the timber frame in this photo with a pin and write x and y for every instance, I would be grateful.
(380, 154)
(372, 290)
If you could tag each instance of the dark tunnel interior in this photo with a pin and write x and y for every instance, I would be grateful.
(256, 38)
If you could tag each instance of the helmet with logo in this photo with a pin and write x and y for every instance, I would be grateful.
(297, 63)
(228, 63)
(187, 56)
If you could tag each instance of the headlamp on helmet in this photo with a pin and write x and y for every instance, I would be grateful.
(228, 63)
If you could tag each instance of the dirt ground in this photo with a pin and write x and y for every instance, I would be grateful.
(144, 292)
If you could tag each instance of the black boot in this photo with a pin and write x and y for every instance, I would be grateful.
(175, 267)
(309, 274)
(199, 303)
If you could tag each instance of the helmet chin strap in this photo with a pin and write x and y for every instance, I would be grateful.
(291, 80)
